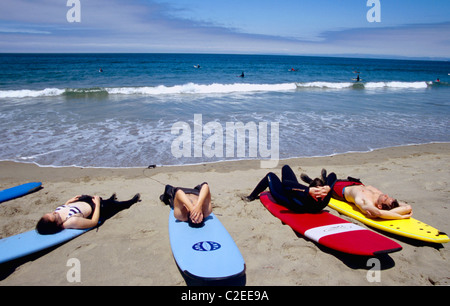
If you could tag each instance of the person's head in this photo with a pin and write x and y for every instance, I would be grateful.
(317, 182)
(49, 224)
(385, 202)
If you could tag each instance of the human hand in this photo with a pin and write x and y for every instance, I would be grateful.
(319, 192)
(196, 214)
(96, 200)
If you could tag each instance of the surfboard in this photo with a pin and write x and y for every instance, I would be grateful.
(17, 191)
(332, 231)
(30, 242)
(411, 228)
(205, 253)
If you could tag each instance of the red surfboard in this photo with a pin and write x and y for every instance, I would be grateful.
(331, 231)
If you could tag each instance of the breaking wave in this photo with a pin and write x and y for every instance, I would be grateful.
(192, 88)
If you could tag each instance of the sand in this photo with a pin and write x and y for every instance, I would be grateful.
(132, 248)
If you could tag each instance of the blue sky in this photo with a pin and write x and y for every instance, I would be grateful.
(408, 28)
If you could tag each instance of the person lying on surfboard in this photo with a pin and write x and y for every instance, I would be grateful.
(293, 195)
(370, 200)
(81, 212)
(189, 204)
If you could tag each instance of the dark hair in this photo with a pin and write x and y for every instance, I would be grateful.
(46, 227)
(393, 205)
(317, 182)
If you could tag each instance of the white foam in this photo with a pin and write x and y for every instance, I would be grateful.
(214, 88)
(24, 93)
(331, 85)
(192, 88)
(396, 84)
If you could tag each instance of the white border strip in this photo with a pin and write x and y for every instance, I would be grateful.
(321, 231)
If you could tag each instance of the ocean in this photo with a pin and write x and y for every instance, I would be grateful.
(136, 110)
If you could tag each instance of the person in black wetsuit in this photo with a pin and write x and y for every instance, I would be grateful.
(189, 204)
(293, 195)
(81, 212)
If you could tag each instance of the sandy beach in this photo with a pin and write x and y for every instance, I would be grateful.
(132, 248)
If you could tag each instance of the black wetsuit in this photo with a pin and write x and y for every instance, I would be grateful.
(290, 193)
(108, 207)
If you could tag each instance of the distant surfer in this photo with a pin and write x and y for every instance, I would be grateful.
(292, 69)
(371, 201)
(189, 204)
(100, 70)
(82, 212)
(198, 66)
(357, 79)
(438, 80)
(293, 195)
(242, 75)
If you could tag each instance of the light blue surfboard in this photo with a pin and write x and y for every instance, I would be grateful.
(207, 252)
(17, 191)
(30, 242)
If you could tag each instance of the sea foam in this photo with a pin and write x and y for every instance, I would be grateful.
(215, 88)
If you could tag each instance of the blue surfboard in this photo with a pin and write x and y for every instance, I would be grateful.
(30, 242)
(205, 253)
(17, 191)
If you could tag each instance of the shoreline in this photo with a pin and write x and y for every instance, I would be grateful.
(281, 160)
(131, 247)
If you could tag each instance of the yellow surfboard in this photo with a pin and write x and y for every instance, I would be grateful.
(410, 228)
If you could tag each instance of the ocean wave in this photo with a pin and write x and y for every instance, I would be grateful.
(27, 93)
(365, 85)
(215, 88)
(325, 85)
(394, 84)
(192, 88)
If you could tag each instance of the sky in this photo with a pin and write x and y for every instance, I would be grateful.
(404, 28)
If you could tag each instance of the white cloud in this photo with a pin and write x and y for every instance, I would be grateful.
(23, 31)
(138, 26)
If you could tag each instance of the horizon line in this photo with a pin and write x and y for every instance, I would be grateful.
(355, 56)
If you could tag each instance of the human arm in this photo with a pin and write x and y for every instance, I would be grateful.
(315, 192)
(196, 213)
(371, 211)
(72, 200)
(83, 223)
(404, 210)
(392, 215)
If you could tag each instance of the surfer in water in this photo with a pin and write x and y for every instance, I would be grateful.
(189, 204)
(370, 200)
(82, 212)
(242, 75)
(293, 195)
